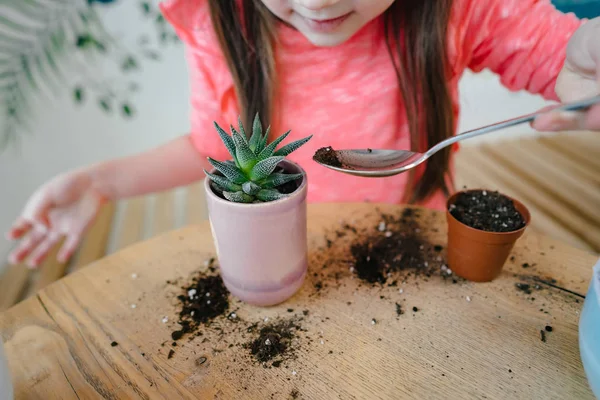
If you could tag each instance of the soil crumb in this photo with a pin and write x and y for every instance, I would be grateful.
(274, 342)
(396, 245)
(205, 299)
(399, 310)
(326, 155)
(487, 211)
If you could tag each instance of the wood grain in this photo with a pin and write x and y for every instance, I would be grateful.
(59, 342)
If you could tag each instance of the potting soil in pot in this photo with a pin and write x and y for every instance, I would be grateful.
(487, 211)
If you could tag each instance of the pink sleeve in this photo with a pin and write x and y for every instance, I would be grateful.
(209, 80)
(524, 41)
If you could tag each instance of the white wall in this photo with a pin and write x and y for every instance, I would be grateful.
(66, 136)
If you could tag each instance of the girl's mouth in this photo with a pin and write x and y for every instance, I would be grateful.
(327, 25)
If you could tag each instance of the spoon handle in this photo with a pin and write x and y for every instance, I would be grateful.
(575, 106)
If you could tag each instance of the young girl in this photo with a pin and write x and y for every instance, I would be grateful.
(354, 73)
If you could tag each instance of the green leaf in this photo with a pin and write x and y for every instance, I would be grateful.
(290, 148)
(78, 94)
(104, 104)
(145, 7)
(230, 172)
(243, 154)
(129, 63)
(238, 197)
(216, 187)
(241, 127)
(270, 149)
(223, 182)
(263, 141)
(234, 131)
(27, 69)
(264, 168)
(227, 140)
(278, 179)
(270, 195)
(251, 188)
(127, 110)
(256, 135)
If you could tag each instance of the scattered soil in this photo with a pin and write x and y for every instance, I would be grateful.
(274, 342)
(327, 155)
(543, 335)
(205, 299)
(396, 245)
(487, 211)
(113, 344)
(548, 328)
(399, 310)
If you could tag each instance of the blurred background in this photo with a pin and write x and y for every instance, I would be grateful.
(86, 80)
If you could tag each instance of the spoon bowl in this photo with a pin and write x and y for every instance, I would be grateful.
(386, 162)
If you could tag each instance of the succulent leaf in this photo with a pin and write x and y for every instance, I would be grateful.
(238, 197)
(263, 141)
(270, 149)
(227, 140)
(223, 182)
(235, 132)
(243, 154)
(270, 195)
(251, 188)
(289, 148)
(230, 172)
(264, 168)
(216, 187)
(255, 138)
(241, 126)
(278, 179)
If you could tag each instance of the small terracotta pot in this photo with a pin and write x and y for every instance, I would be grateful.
(478, 255)
(261, 248)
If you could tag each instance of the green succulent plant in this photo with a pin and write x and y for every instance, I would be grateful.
(252, 175)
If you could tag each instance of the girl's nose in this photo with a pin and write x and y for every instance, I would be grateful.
(316, 4)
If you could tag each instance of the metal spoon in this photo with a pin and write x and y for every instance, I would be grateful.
(381, 163)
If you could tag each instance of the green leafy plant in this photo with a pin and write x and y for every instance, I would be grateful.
(252, 176)
(46, 45)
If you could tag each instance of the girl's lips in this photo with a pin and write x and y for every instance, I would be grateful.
(327, 25)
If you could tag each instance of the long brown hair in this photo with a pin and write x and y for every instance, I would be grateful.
(416, 35)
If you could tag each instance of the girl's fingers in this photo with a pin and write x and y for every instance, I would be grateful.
(19, 228)
(569, 120)
(30, 241)
(68, 247)
(593, 119)
(41, 251)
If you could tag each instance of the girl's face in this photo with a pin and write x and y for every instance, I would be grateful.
(327, 22)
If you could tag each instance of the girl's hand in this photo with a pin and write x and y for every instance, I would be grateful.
(63, 207)
(579, 79)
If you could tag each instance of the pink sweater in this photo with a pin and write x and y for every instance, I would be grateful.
(347, 96)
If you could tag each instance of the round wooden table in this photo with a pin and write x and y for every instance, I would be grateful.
(100, 332)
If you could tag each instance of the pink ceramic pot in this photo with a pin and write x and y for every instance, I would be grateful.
(261, 247)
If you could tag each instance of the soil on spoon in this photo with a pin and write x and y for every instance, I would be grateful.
(487, 211)
(327, 155)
